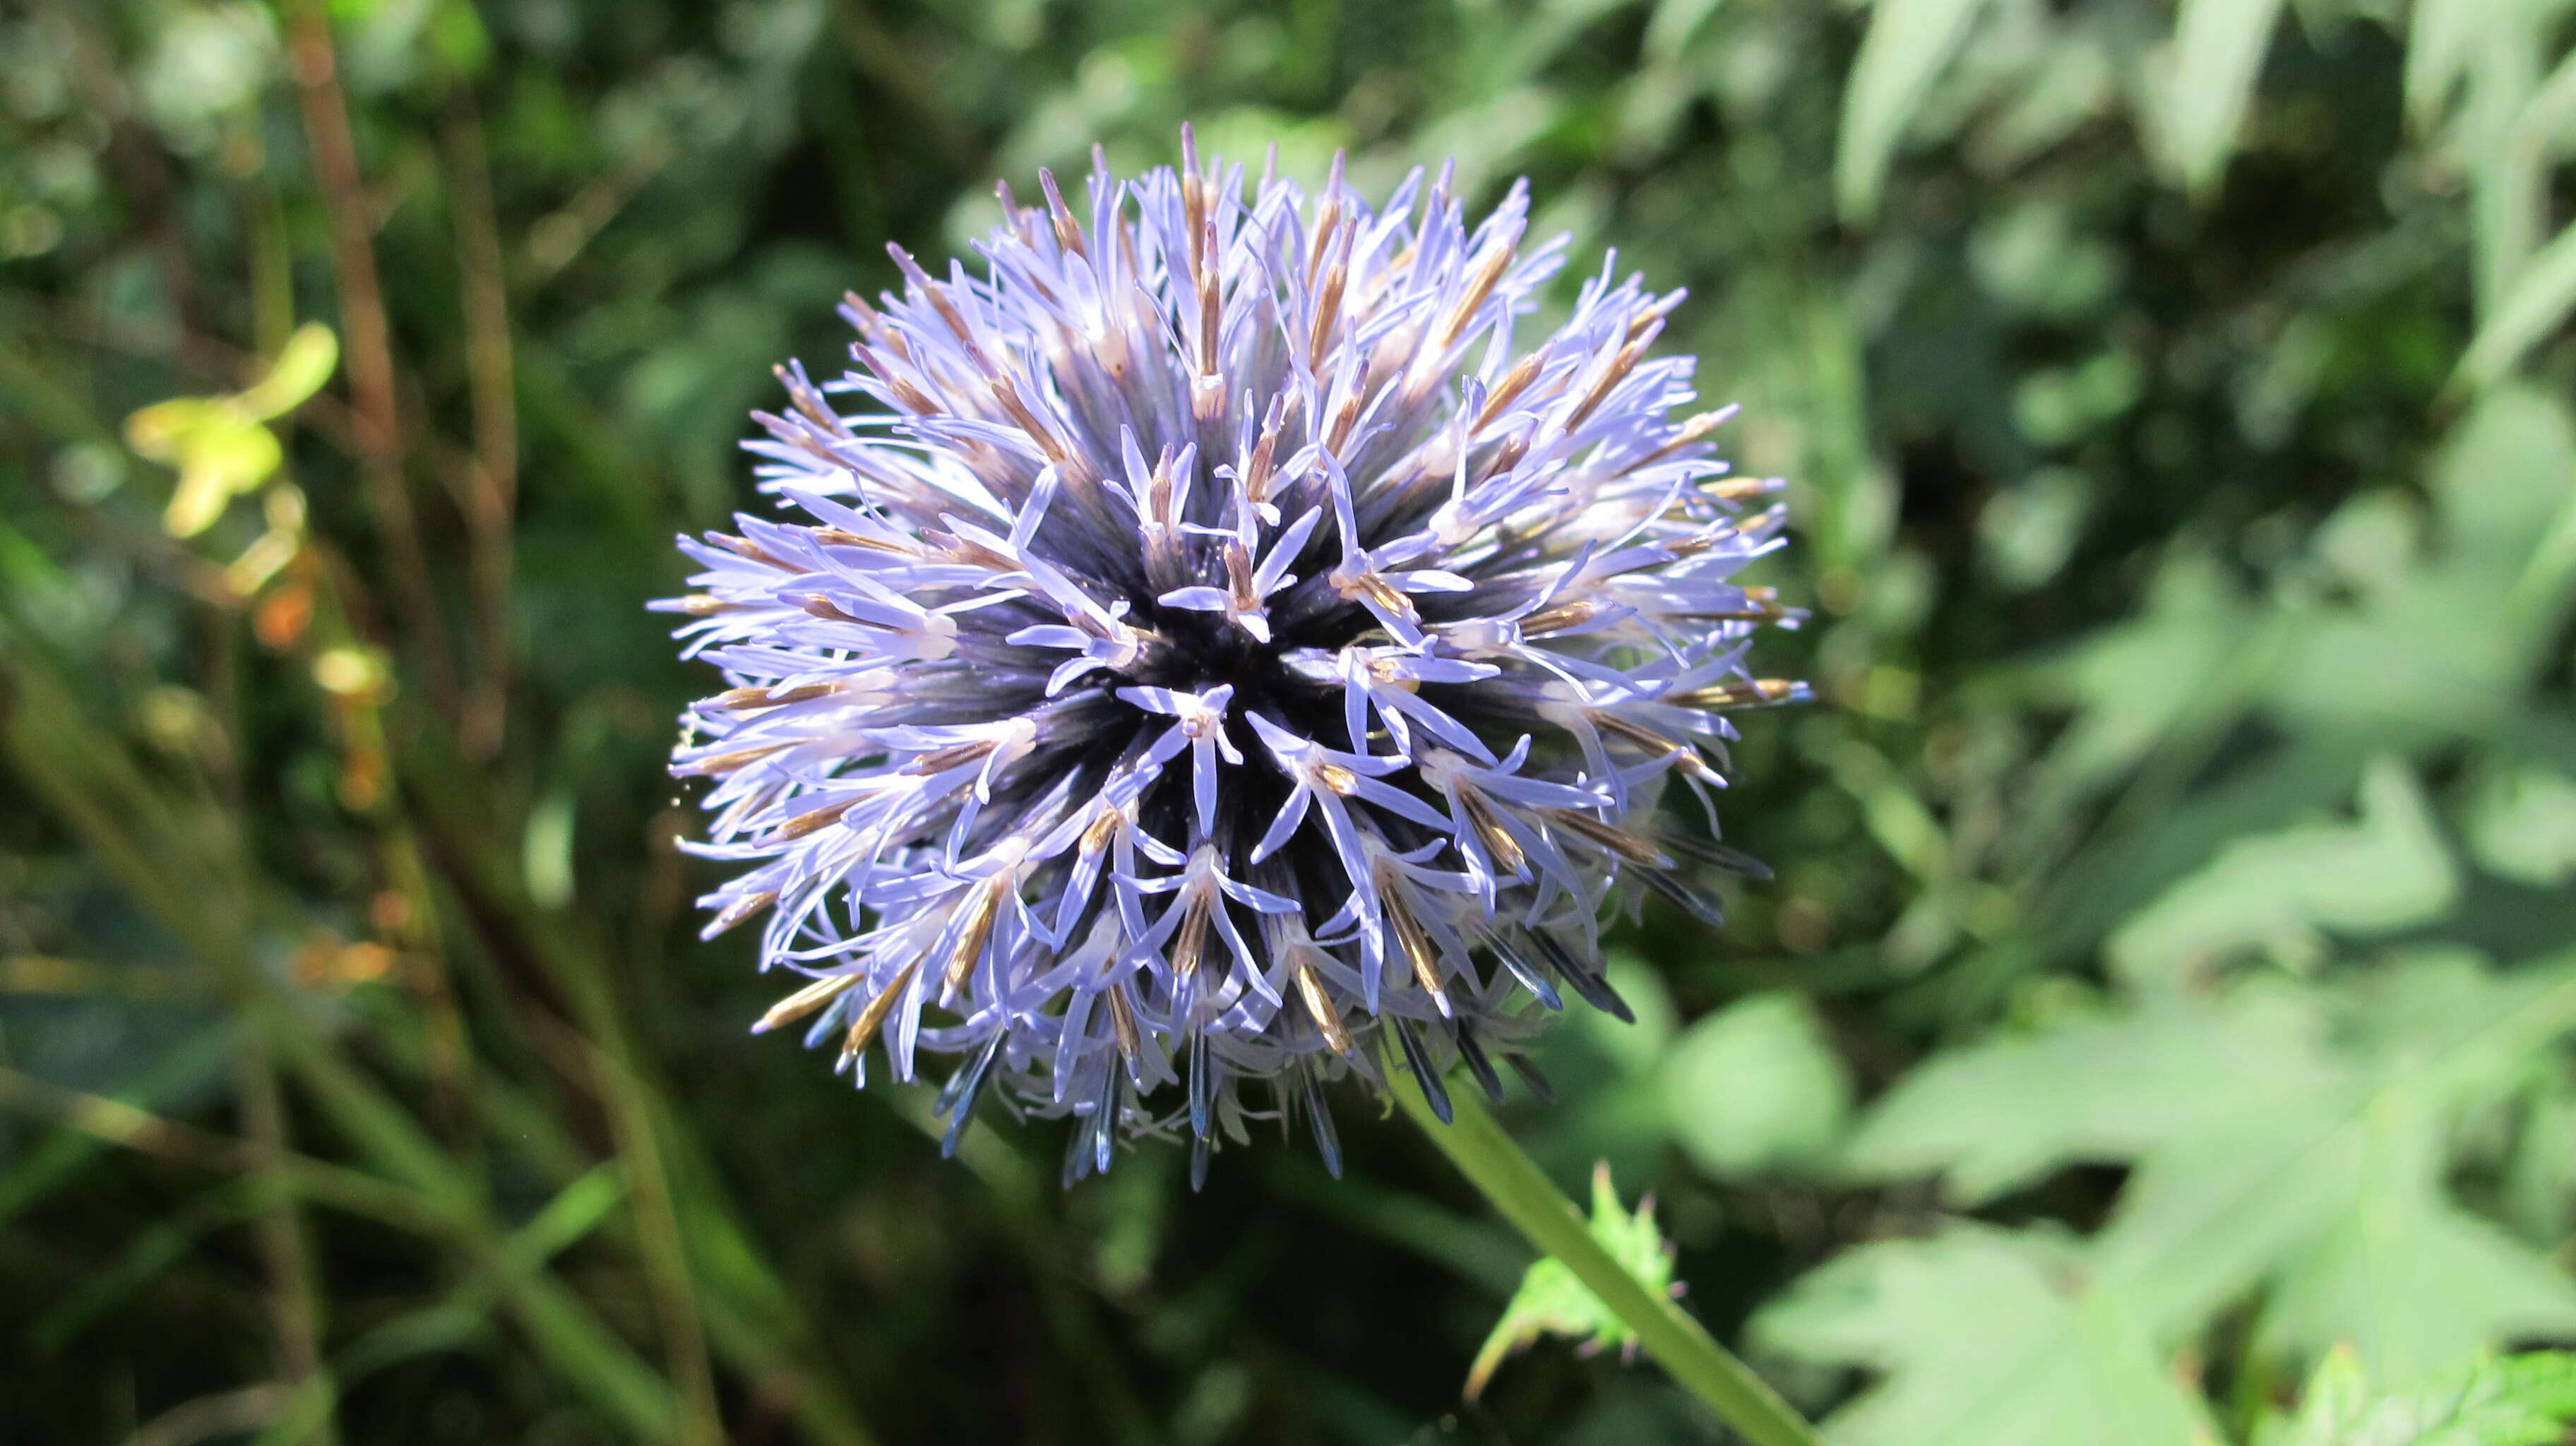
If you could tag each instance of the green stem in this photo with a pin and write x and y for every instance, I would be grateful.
(1498, 1168)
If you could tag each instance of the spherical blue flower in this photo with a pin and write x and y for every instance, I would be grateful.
(1213, 649)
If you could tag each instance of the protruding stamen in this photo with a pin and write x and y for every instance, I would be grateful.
(805, 1001)
(1618, 840)
(738, 699)
(814, 822)
(719, 764)
(981, 908)
(1739, 693)
(1500, 846)
(872, 1018)
(1123, 1026)
(1320, 1007)
(1068, 231)
(1415, 943)
(741, 909)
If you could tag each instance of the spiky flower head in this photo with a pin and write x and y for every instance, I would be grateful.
(1213, 649)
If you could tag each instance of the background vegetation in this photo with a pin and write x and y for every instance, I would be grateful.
(2165, 987)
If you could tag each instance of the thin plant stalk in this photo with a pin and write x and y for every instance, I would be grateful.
(1505, 1175)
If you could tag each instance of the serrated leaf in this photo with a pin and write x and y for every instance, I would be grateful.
(2312, 1192)
(2401, 1276)
(2218, 51)
(2282, 890)
(1985, 1337)
(2136, 683)
(2332, 1403)
(1908, 44)
(2523, 1400)
(2297, 1145)
(1551, 1301)
(1754, 1087)
(2101, 1088)
(2444, 645)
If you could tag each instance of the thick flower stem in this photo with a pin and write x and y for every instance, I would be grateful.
(1498, 1168)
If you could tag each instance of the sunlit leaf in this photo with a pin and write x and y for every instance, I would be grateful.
(2439, 36)
(2283, 891)
(2217, 52)
(1983, 1337)
(2522, 1400)
(2521, 825)
(2136, 682)
(302, 366)
(2314, 1193)
(1908, 44)
(1754, 1087)
(2283, 1137)
(2542, 294)
(1551, 1301)
(2101, 1087)
(217, 462)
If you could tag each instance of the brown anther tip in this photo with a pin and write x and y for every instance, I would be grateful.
(743, 908)
(805, 1001)
(719, 764)
(744, 547)
(814, 822)
(763, 697)
(1123, 1026)
(872, 1018)
(1319, 1006)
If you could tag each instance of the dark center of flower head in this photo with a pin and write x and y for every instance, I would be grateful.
(1214, 647)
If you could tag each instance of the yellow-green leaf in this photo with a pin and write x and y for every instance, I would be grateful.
(302, 366)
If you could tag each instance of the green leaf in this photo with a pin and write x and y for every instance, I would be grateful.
(2217, 53)
(2137, 682)
(1986, 1337)
(2524, 1400)
(2100, 1088)
(2333, 1196)
(2282, 1135)
(574, 1212)
(2439, 37)
(2542, 294)
(2336, 1396)
(2439, 646)
(1908, 44)
(1551, 1301)
(1754, 1087)
(2521, 825)
(2280, 890)
(2400, 1275)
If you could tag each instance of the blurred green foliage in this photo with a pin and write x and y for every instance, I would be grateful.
(2166, 988)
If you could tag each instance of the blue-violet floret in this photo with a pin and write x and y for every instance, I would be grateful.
(1213, 650)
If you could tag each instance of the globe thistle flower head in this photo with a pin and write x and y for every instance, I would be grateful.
(1205, 645)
